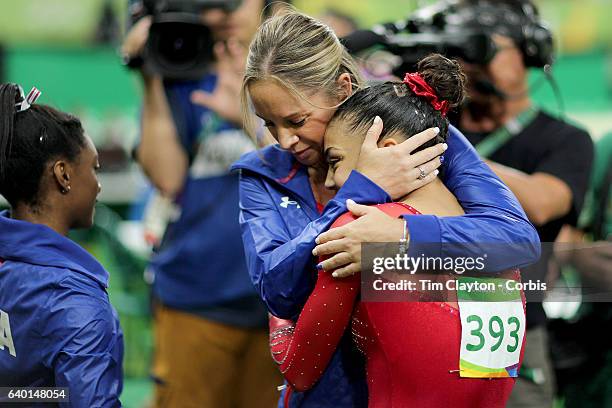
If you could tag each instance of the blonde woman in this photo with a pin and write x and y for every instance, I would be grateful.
(297, 74)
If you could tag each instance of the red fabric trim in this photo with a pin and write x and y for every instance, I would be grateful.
(320, 208)
(287, 396)
(291, 174)
(413, 210)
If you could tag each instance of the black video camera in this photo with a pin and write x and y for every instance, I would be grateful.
(459, 29)
(180, 45)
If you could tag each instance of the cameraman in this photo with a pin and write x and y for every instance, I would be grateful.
(545, 161)
(584, 361)
(211, 342)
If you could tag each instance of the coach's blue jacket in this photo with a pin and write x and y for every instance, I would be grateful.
(57, 327)
(280, 222)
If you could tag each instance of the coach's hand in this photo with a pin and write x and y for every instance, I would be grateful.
(344, 242)
(225, 99)
(395, 168)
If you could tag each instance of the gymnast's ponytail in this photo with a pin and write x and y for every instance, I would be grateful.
(9, 94)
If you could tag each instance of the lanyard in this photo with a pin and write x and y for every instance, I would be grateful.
(497, 139)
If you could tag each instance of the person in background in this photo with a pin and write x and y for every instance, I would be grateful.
(544, 160)
(342, 23)
(209, 323)
(57, 326)
(584, 363)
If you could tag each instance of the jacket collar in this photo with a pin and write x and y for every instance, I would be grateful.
(40, 245)
(271, 162)
(280, 167)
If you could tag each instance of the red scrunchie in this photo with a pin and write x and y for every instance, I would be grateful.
(421, 88)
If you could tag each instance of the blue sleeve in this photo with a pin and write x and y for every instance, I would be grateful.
(186, 121)
(88, 344)
(494, 224)
(277, 262)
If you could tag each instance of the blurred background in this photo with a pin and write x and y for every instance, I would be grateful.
(68, 49)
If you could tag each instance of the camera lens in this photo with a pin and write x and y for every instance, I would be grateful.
(179, 47)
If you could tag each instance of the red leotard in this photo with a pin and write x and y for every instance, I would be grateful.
(412, 348)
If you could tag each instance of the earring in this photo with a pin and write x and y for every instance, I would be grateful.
(65, 190)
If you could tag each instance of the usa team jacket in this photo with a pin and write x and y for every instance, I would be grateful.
(280, 221)
(57, 326)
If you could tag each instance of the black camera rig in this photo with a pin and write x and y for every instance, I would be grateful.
(460, 29)
(180, 45)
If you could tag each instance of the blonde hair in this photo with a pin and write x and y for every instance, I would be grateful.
(302, 54)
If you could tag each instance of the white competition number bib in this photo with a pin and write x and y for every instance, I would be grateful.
(492, 327)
